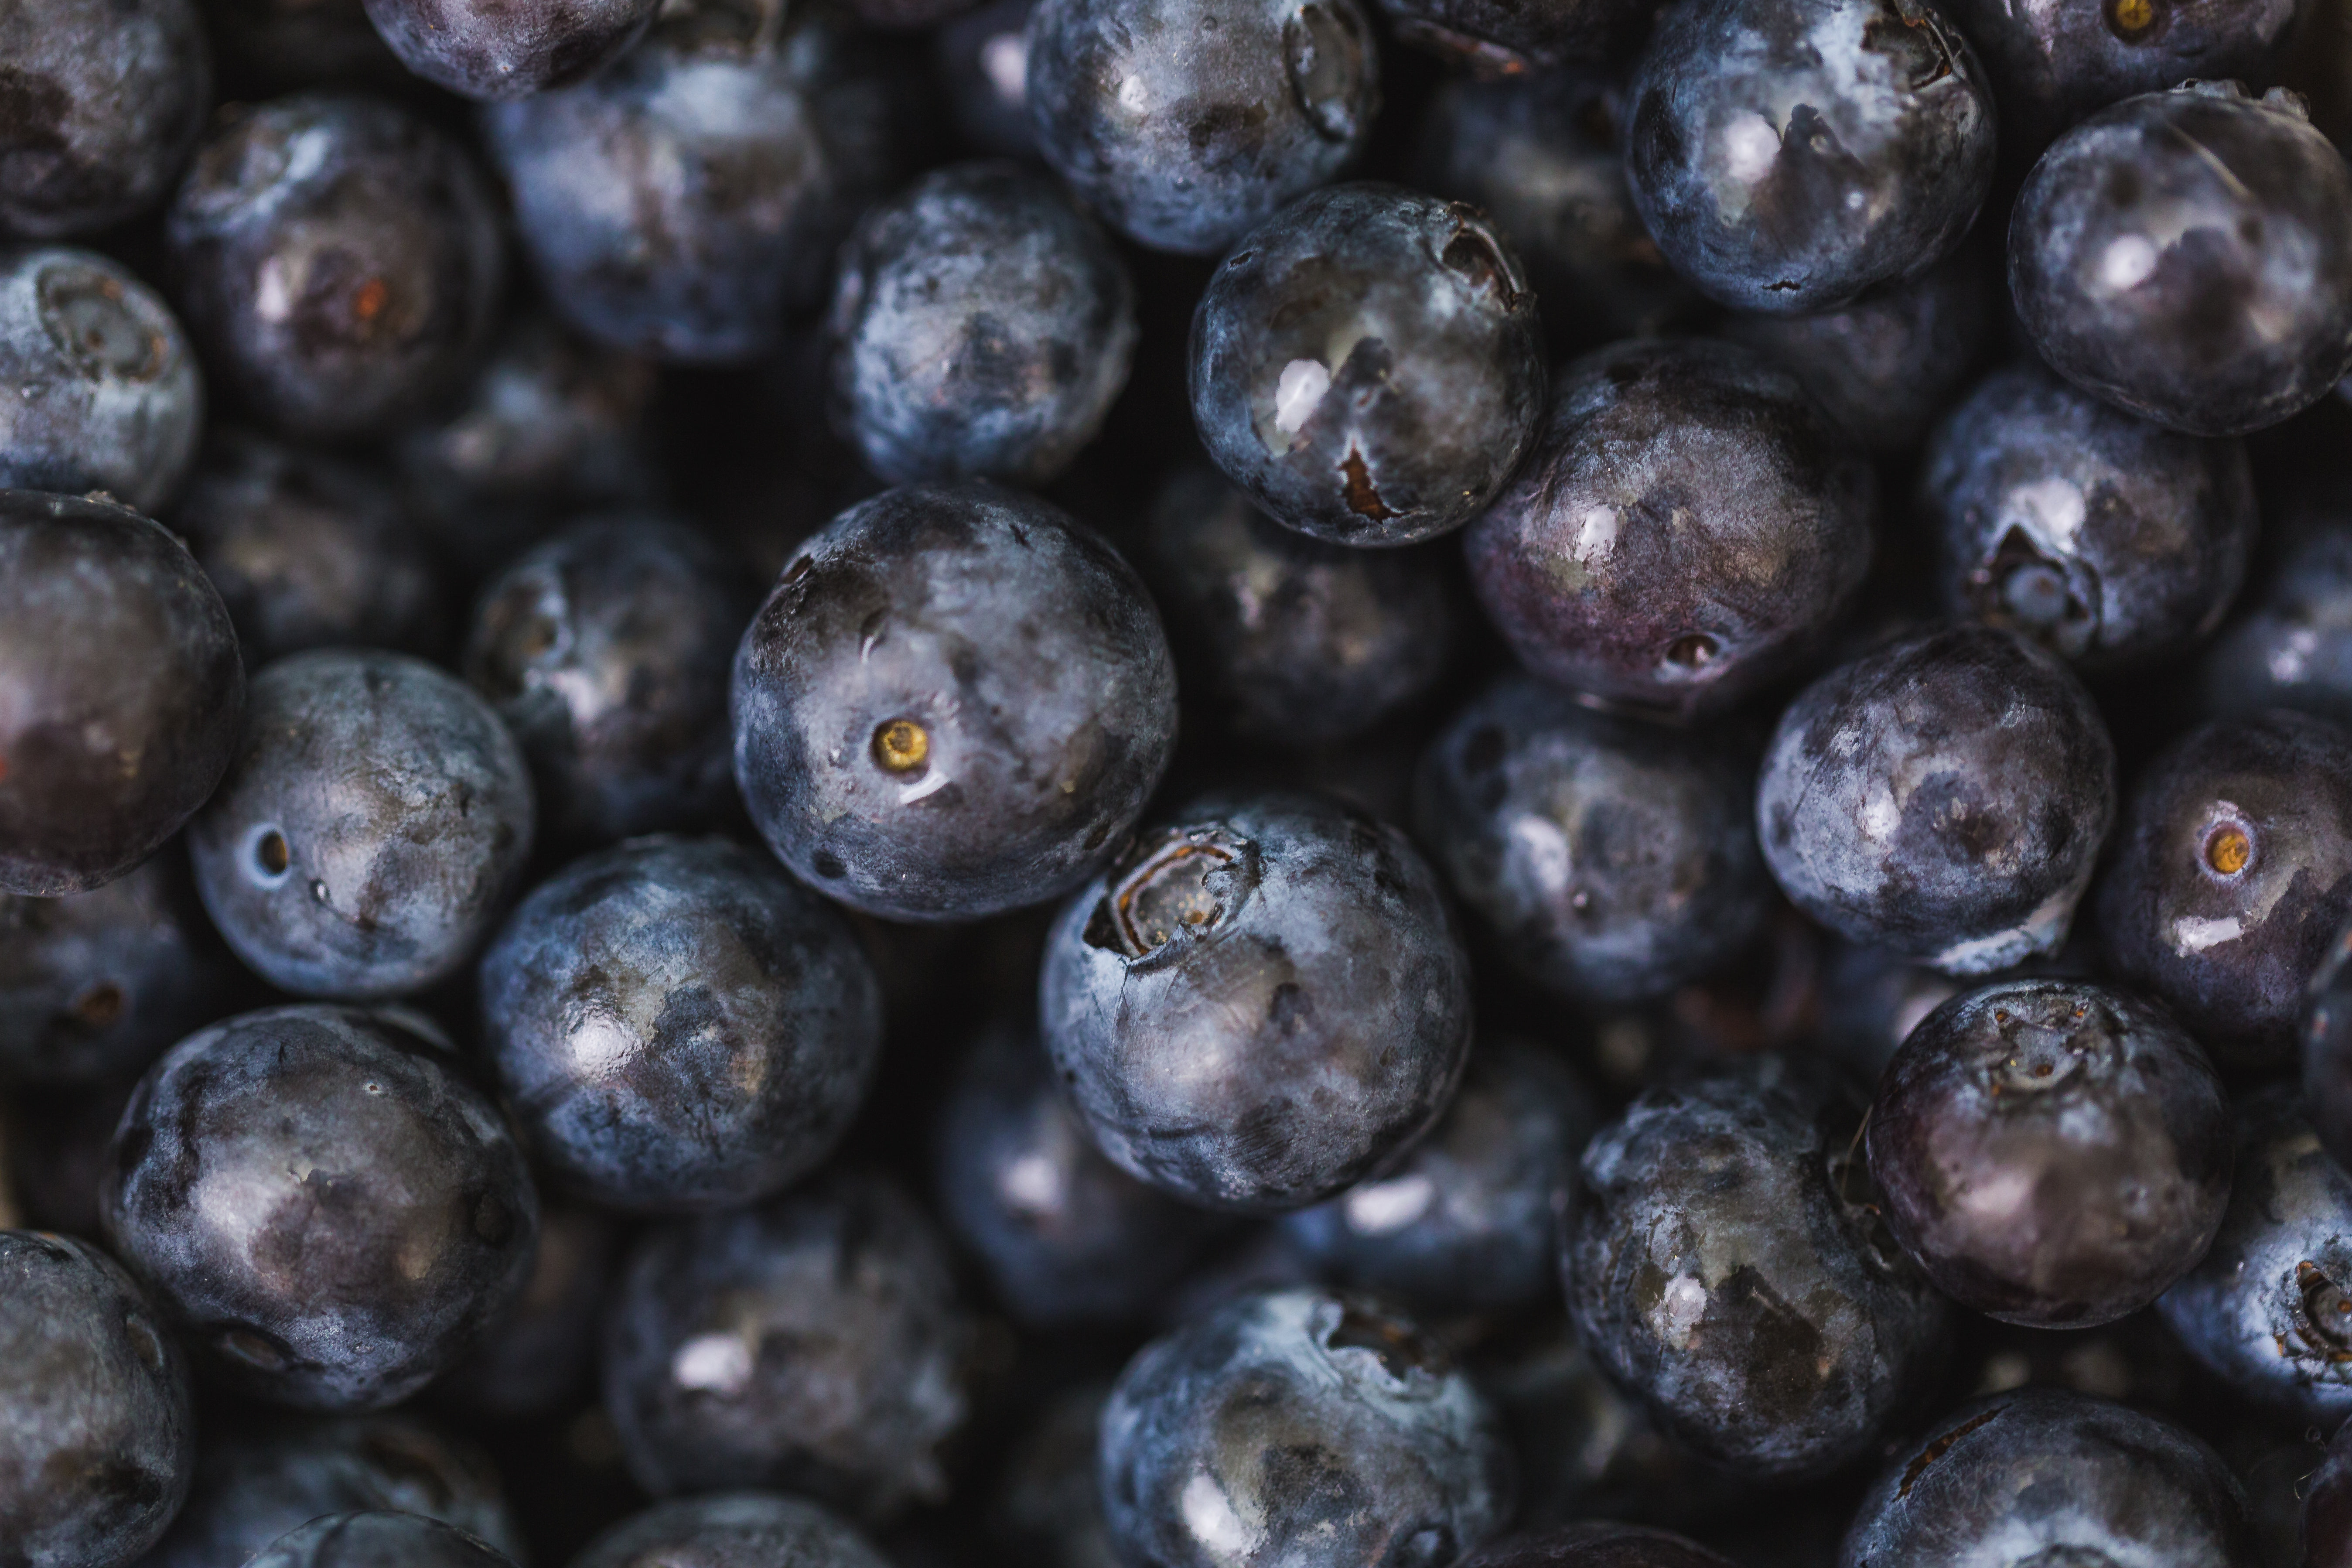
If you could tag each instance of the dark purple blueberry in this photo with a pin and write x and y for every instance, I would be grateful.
(1186, 123)
(120, 692)
(329, 1212)
(678, 1025)
(1465, 1221)
(2049, 1152)
(537, 1356)
(744, 1529)
(982, 58)
(378, 1539)
(956, 701)
(338, 257)
(1512, 38)
(2054, 1480)
(1686, 528)
(1726, 1265)
(685, 201)
(2327, 1050)
(1368, 365)
(1063, 1236)
(1614, 860)
(1281, 639)
(1871, 1000)
(1300, 1426)
(99, 1441)
(1787, 154)
(2327, 1507)
(981, 327)
(308, 550)
(812, 1344)
(2187, 256)
(491, 50)
(2232, 873)
(1261, 1003)
(1597, 1546)
(1944, 796)
(103, 99)
(2290, 643)
(606, 650)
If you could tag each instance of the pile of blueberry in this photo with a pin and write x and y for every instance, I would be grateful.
(1175, 783)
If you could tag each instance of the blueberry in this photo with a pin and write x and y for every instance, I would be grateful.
(1294, 1427)
(534, 1359)
(100, 1440)
(329, 1210)
(338, 258)
(1368, 365)
(745, 1529)
(1942, 796)
(2327, 1049)
(1727, 1266)
(1251, 104)
(378, 1539)
(606, 650)
(308, 550)
(1871, 1000)
(102, 982)
(678, 1025)
(982, 326)
(2187, 256)
(369, 828)
(1540, 156)
(2267, 1308)
(1511, 38)
(685, 200)
(1597, 1546)
(124, 691)
(813, 1343)
(486, 49)
(982, 58)
(1262, 1002)
(2290, 643)
(1688, 527)
(2112, 541)
(1787, 154)
(2052, 1152)
(2047, 1476)
(98, 388)
(956, 701)
(253, 1487)
(1047, 1509)
(1464, 1222)
(104, 100)
(1065, 1235)
(1614, 860)
(2231, 874)
(1285, 640)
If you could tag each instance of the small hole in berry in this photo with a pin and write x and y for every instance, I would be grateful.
(901, 746)
(2227, 849)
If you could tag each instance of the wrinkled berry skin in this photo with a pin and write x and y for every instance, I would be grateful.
(1065, 1235)
(982, 326)
(2267, 1308)
(98, 984)
(1596, 1546)
(1510, 38)
(1464, 1222)
(2290, 643)
(378, 1539)
(100, 1441)
(1726, 1266)
(1281, 639)
(1245, 115)
(2041, 1475)
(743, 1530)
(2052, 1152)
(98, 388)
(331, 1213)
(535, 1359)
(338, 258)
(606, 650)
(1260, 1003)
(488, 51)
(368, 833)
(2232, 873)
(2187, 256)
(1329, 1430)
(1788, 157)
(104, 100)
(1368, 365)
(1613, 860)
(956, 701)
(120, 692)
(308, 550)
(1944, 796)
(1686, 528)
(814, 1344)
(683, 202)
(2327, 1048)
(2112, 541)
(679, 1025)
